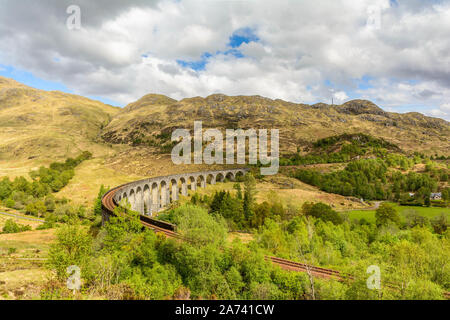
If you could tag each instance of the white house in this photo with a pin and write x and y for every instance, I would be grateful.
(436, 196)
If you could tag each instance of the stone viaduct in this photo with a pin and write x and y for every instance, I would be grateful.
(152, 195)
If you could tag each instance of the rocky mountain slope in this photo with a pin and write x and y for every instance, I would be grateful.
(151, 119)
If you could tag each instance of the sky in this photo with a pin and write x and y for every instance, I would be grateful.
(395, 53)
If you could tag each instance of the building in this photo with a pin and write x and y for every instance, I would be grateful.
(436, 196)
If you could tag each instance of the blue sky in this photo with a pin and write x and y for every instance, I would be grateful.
(244, 35)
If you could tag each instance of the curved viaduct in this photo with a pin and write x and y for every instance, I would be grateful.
(152, 195)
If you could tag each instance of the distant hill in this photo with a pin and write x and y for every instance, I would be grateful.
(151, 119)
(48, 124)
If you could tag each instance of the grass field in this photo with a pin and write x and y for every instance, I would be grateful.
(22, 258)
(369, 215)
(288, 191)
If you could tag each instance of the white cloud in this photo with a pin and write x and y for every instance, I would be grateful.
(126, 50)
(340, 96)
(442, 112)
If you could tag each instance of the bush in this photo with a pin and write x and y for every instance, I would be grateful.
(322, 211)
(72, 247)
(199, 227)
(386, 214)
(12, 227)
(36, 208)
(440, 224)
(9, 203)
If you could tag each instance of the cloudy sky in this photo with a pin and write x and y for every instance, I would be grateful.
(395, 53)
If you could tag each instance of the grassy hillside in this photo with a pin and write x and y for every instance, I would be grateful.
(39, 125)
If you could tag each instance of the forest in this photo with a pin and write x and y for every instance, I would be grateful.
(124, 261)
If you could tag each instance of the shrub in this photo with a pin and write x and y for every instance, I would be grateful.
(322, 211)
(440, 224)
(12, 227)
(10, 203)
(198, 226)
(72, 247)
(386, 214)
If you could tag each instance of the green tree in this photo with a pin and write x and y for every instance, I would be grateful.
(5, 188)
(9, 203)
(249, 196)
(50, 203)
(200, 228)
(36, 208)
(237, 187)
(73, 247)
(386, 214)
(98, 201)
(262, 211)
(121, 228)
(440, 223)
(12, 227)
(321, 211)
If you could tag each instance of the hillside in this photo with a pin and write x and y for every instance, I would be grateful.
(150, 121)
(42, 125)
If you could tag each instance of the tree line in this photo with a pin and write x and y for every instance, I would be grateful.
(35, 196)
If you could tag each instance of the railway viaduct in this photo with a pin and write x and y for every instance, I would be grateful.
(152, 195)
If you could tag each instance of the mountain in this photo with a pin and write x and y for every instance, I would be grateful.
(150, 121)
(38, 124)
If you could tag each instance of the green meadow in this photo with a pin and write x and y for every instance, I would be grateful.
(369, 215)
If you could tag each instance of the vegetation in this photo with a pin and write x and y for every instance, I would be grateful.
(35, 197)
(125, 261)
(386, 214)
(12, 227)
(371, 179)
(341, 148)
(322, 211)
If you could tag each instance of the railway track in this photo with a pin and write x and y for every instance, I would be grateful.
(109, 205)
